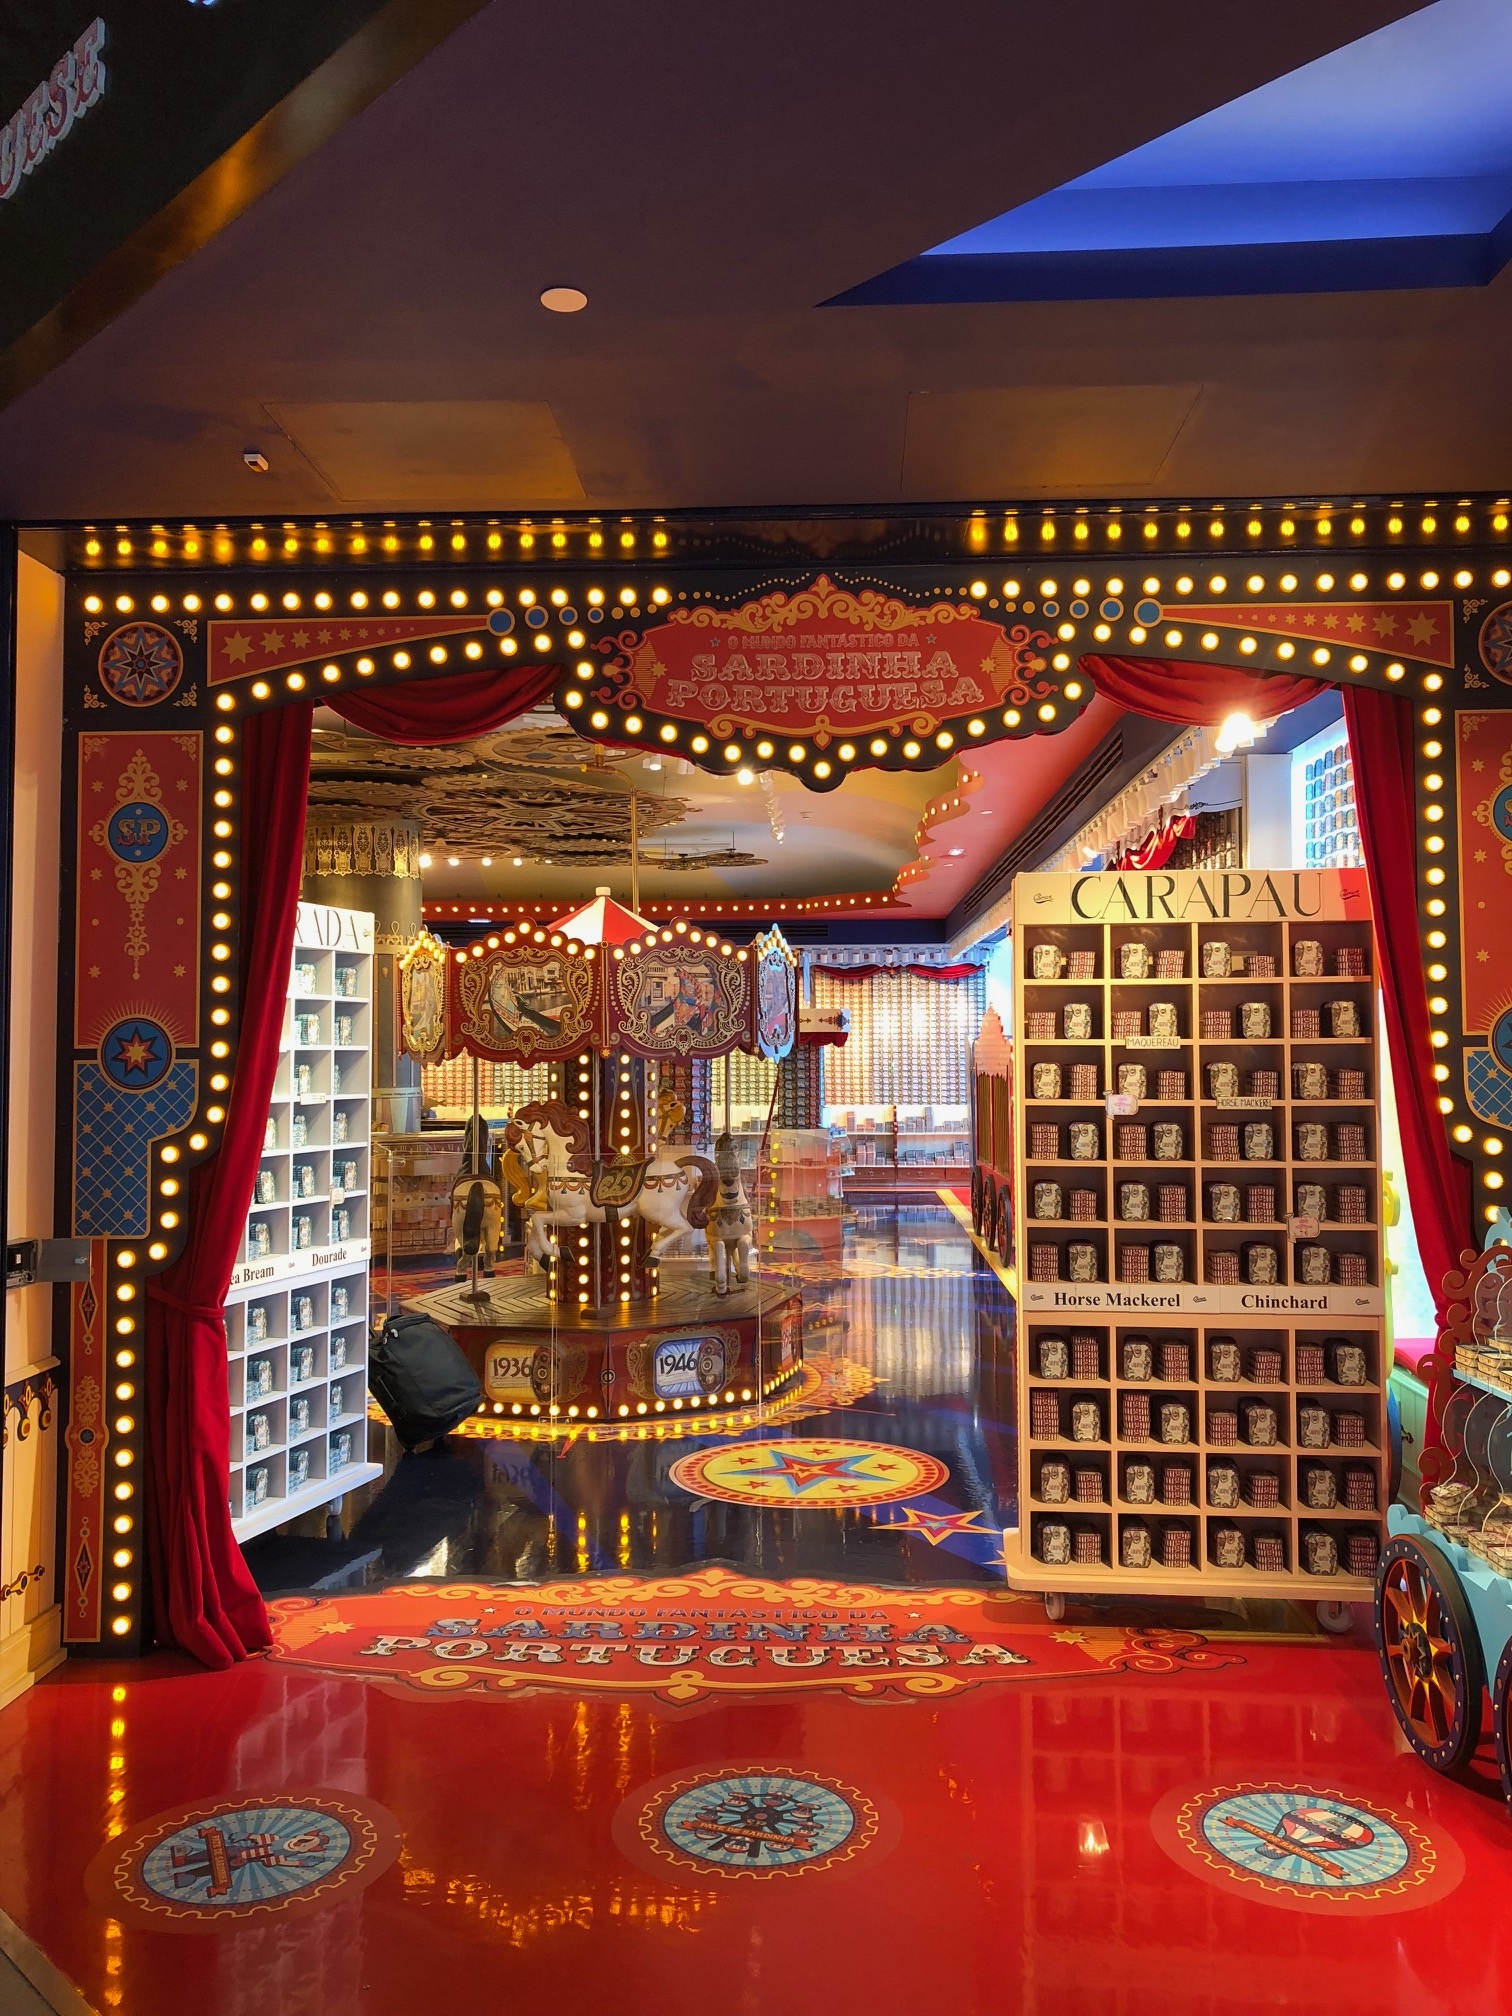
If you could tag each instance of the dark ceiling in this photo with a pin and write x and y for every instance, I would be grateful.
(708, 175)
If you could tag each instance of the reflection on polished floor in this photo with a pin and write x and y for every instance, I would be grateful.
(596, 1744)
(912, 1341)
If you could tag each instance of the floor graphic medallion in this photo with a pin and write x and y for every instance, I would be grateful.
(809, 1470)
(753, 1823)
(703, 1636)
(1303, 1847)
(204, 1868)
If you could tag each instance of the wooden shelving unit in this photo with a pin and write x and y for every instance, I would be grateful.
(1308, 1330)
(297, 1311)
(904, 1147)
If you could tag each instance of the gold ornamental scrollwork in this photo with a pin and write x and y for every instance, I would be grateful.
(522, 1002)
(363, 847)
(138, 833)
(674, 1001)
(422, 999)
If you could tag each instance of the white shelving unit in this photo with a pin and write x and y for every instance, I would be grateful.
(297, 1311)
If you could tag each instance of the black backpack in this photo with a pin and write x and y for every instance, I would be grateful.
(421, 1380)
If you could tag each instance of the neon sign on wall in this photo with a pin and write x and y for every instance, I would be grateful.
(73, 84)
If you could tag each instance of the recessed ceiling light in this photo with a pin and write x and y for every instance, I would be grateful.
(519, 861)
(454, 860)
(486, 860)
(958, 850)
(564, 300)
(425, 860)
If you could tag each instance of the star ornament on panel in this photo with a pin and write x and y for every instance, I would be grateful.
(136, 1053)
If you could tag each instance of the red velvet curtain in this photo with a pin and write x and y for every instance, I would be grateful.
(204, 1599)
(1438, 1181)
(203, 1596)
(1195, 695)
(430, 712)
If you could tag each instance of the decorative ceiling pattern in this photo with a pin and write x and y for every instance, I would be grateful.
(532, 794)
(526, 792)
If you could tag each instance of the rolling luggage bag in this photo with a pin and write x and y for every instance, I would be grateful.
(421, 1380)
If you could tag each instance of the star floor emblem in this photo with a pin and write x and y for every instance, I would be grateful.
(809, 1470)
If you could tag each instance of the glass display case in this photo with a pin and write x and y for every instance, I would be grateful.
(899, 1145)
(413, 1176)
(803, 1199)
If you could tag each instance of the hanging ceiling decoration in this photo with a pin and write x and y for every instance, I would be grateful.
(531, 793)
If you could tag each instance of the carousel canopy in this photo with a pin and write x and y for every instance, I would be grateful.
(600, 978)
(603, 922)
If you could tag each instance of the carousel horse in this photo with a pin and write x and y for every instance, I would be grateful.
(548, 1165)
(670, 1112)
(731, 1225)
(674, 1199)
(477, 1203)
(527, 1188)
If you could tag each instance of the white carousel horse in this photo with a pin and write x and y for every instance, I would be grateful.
(674, 1199)
(731, 1225)
(546, 1161)
(553, 1174)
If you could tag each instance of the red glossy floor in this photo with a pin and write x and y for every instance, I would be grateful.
(591, 1731)
(1020, 1848)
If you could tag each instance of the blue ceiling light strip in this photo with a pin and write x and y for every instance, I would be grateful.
(1386, 164)
(1344, 266)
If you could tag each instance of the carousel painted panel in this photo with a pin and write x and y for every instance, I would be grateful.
(422, 999)
(677, 1001)
(523, 1003)
(774, 996)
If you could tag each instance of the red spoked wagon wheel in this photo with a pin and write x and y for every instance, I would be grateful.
(1429, 1651)
(989, 1207)
(1004, 1228)
(976, 1200)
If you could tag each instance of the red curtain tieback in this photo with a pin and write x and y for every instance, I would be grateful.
(198, 1312)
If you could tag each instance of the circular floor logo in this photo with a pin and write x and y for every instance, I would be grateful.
(809, 1470)
(757, 1823)
(208, 1866)
(1304, 1847)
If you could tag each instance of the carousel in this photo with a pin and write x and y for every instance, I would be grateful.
(619, 1324)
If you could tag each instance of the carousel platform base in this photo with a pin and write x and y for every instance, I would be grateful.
(685, 1352)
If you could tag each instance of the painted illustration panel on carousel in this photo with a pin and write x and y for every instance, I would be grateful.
(422, 999)
(675, 1001)
(1483, 751)
(775, 1022)
(523, 1002)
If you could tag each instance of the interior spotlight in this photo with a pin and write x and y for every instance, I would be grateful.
(564, 300)
(255, 459)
